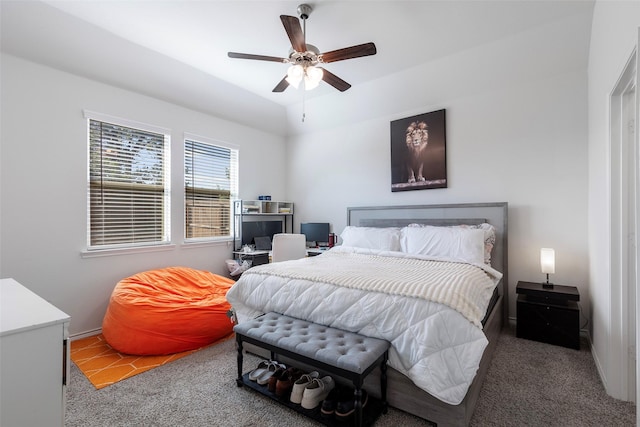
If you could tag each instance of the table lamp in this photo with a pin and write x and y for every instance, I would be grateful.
(547, 264)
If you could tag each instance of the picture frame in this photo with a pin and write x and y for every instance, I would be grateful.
(419, 152)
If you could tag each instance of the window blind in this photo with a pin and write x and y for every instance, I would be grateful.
(211, 181)
(128, 186)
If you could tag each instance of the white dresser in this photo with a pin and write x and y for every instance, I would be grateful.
(34, 358)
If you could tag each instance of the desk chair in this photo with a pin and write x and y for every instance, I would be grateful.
(286, 246)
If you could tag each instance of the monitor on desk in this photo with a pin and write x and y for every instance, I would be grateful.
(317, 233)
(253, 229)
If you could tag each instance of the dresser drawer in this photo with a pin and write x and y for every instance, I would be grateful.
(550, 323)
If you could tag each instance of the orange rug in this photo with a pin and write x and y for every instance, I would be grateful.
(104, 366)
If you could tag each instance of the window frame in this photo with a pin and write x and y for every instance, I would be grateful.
(165, 243)
(233, 190)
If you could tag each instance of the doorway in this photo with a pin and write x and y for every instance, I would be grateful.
(625, 197)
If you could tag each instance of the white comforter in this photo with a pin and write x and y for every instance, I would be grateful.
(434, 329)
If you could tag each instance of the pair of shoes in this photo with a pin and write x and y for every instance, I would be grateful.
(316, 391)
(263, 367)
(273, 380)
(288, 375)
(298, 386)
(348, 407)
(263, 378)
(285, 383)
(338, 394)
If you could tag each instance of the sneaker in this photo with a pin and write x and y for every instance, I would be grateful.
(316, 392)
(300, 384)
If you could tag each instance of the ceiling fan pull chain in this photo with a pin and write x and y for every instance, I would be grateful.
(303, 112)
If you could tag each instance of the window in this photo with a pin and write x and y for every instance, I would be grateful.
(128, 188)
(211, 183)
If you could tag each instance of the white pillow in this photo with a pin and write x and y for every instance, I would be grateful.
(384, 239)
(464, 244)
(489, 237)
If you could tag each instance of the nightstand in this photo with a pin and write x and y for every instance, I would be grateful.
(549, 315)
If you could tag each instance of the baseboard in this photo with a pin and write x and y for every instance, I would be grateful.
(85, 334)
(598, 364)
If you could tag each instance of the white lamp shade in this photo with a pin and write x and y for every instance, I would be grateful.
(548, 260)
(312, 77)
(294, 75)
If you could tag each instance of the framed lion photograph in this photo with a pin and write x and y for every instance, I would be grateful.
(419, 152)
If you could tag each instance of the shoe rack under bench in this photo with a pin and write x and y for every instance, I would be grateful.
(251, 333)
(370, 413)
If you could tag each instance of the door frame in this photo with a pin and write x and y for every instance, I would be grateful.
(624, 232)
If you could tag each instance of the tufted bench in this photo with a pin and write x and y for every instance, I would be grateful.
(334, 351)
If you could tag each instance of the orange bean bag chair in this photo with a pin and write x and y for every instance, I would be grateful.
(167, 311)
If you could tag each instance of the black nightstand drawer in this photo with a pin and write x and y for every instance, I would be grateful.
(550, 315)
(553, 324)
(557, 294)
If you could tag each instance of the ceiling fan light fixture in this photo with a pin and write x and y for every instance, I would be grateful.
(312, 77)
(304, 59)
(294, 75)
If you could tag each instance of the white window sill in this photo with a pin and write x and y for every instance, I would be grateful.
(125, 251)
(193, 244)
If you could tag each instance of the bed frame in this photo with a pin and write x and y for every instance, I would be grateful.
(401, 392)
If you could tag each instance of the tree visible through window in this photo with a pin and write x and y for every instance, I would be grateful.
(211, 181)
(128, 186)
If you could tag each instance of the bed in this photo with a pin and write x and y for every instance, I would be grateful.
(442, 338)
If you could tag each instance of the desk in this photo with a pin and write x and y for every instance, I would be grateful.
(264, 257)
(316, 251)
(256, 257)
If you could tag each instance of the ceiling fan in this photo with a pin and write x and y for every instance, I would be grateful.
(304, 59)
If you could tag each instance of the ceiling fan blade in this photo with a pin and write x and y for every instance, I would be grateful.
(280, 87)
(365, 49)
(257, 57)
(334, 80)
(294, 31)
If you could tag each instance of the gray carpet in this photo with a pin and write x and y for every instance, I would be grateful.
(528, 384)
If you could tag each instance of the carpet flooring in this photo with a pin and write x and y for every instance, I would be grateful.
(528, 384)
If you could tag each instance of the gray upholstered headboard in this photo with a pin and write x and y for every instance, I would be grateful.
(468, 213)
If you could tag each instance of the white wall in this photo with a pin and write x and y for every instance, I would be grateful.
(516, 131)
(43, 183)
(614, 35)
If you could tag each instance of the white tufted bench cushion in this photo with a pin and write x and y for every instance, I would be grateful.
(345, 350)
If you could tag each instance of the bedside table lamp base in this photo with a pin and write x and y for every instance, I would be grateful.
(547, 285)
